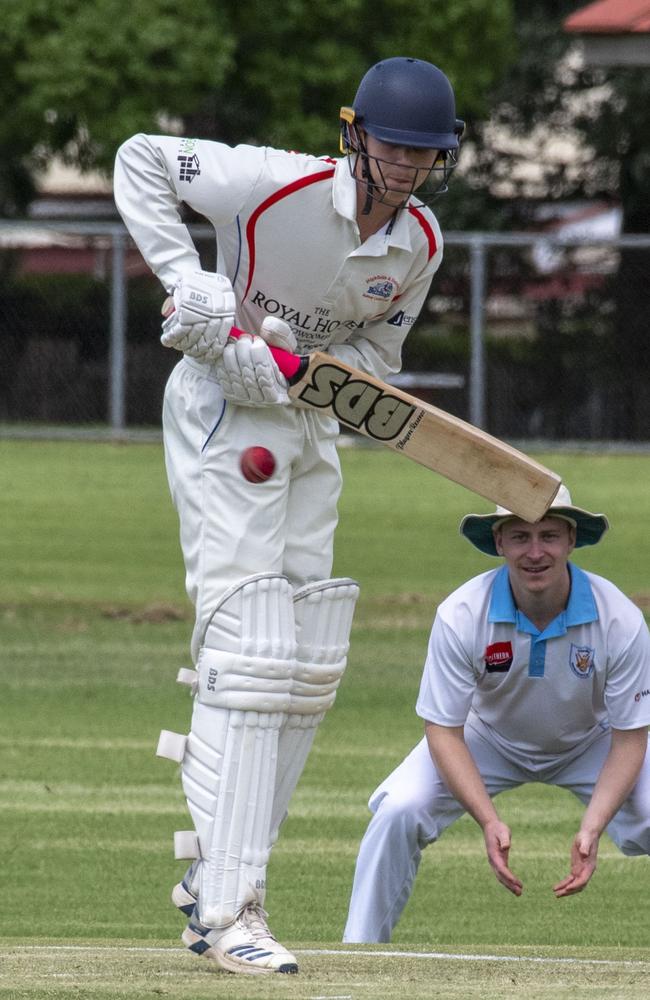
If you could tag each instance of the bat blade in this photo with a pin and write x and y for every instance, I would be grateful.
(424, 433)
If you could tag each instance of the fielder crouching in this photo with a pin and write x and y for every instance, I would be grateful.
(313, 253)
(537, 671)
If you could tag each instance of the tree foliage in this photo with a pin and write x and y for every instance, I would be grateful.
(79, 77)
(297, 62)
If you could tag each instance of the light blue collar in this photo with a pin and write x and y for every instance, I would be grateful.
(580, 609)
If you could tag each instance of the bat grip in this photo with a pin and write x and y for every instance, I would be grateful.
(292, 366)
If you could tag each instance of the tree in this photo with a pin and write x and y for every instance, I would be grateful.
(79, 78)
(297, 63)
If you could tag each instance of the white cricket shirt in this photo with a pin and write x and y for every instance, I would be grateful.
(287, 239)
(539, 693)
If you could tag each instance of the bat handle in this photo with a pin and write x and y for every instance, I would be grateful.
(292, 366)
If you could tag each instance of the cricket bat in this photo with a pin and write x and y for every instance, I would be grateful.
(427, 435)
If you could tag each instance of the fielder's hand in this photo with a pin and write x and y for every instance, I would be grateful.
(584, 857)
(200, 316)
(497, 843)
(248, 375)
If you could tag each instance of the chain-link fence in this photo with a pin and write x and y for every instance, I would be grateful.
(528, 336)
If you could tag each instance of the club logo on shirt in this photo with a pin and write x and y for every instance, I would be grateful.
(381, 286)
(581, 659)
(188, 160)
(189, 168)
(498, 657)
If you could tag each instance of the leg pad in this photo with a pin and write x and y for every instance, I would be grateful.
(323, 613)
(245, 671)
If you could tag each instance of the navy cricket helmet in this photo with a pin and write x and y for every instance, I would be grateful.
(403, 102)
(406, 102)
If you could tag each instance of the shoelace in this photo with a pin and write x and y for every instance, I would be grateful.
(255, 920)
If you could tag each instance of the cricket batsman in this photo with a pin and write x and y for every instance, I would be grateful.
(313, 253)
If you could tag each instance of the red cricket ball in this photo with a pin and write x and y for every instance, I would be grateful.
(257, 464)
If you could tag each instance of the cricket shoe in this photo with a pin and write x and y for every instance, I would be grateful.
(246, 945)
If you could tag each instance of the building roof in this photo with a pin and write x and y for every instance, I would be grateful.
(611, 17)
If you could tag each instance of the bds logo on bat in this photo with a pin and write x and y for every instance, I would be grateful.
(356, 403)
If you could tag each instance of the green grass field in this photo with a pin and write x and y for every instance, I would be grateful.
(95, 624)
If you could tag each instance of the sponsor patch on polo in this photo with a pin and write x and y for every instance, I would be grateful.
(498, 657)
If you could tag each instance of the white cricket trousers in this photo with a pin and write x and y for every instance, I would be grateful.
(229, 528)
(412, 808)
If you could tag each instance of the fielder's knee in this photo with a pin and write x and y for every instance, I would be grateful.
(402, 815)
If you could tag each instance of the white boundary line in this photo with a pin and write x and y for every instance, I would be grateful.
(451, 956)
(440, 955)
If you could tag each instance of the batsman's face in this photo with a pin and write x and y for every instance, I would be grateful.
(398, 170)
(536, 554)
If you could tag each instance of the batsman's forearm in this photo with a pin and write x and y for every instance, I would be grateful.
(617, 778)
(457, 769)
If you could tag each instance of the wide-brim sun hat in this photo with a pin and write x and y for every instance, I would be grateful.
(590, 528)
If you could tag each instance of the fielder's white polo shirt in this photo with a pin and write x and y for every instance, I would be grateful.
(287, 239)
(540, 694)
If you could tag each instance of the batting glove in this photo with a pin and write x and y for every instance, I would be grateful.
(248, 375)
(277, 333)
(201, 317)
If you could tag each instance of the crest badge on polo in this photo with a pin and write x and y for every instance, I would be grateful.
(581, 659)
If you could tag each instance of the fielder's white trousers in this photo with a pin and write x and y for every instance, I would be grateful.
(412, 808)
(231, 529)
